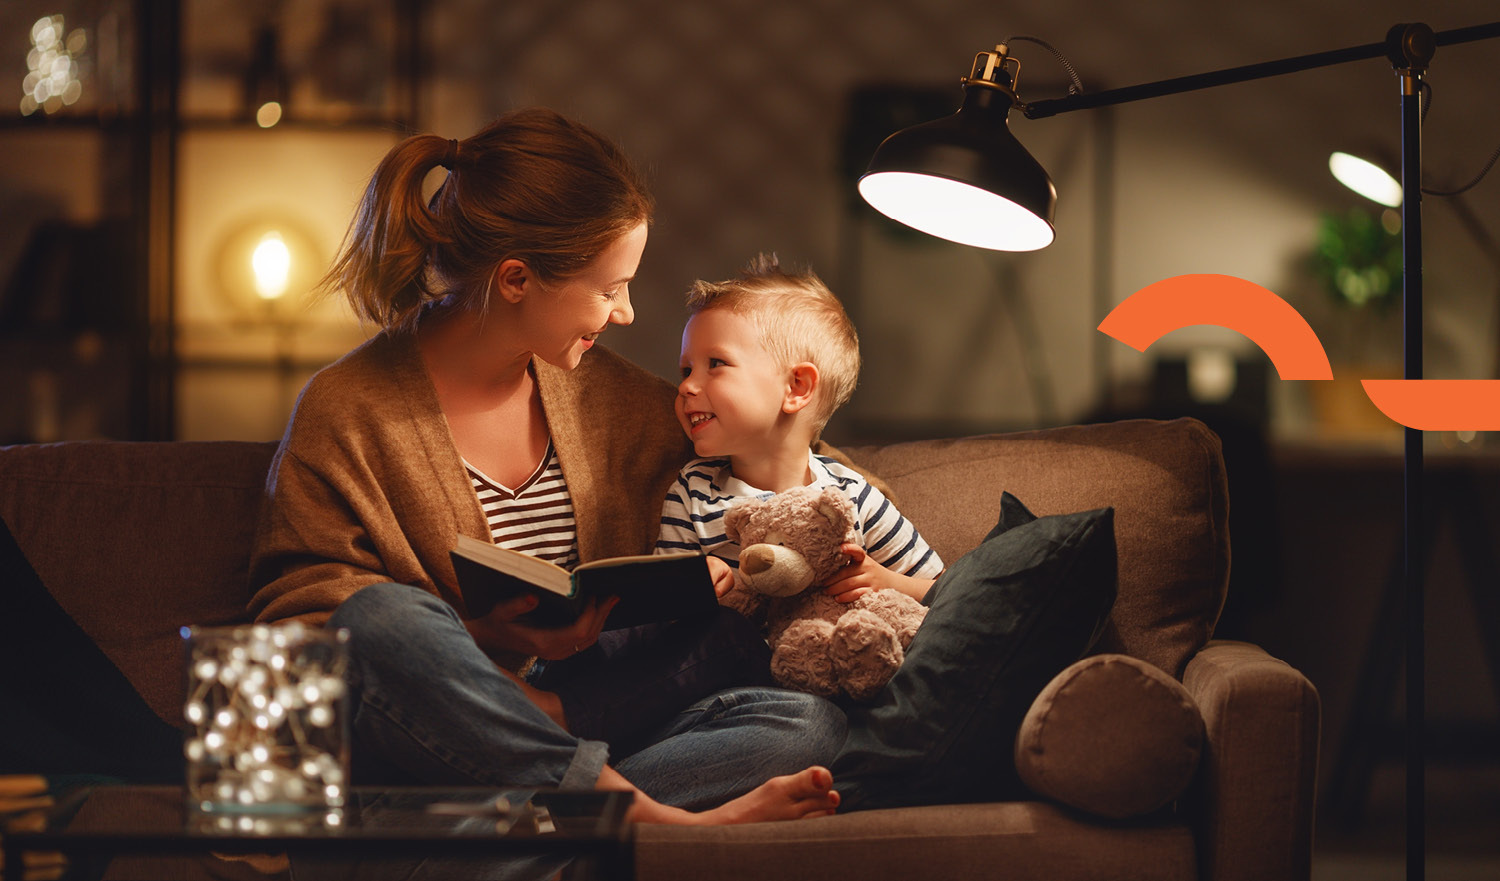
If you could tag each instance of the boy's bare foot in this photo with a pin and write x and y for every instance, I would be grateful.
(808, 793)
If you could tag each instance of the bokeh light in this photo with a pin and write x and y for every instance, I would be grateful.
(54, 75)
(268, 115)
(271, 262)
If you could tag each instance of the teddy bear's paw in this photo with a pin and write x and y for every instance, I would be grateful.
(866, 652)
(745, 601)
(903, 613)
(800, 659)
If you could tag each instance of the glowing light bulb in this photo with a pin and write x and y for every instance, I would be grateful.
(1366, 178)
(272, 263)
(955, 211)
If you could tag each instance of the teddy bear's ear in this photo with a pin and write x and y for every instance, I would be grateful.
(830, 512)
(835, 506)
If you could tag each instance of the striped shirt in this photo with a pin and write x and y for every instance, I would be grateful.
(536, 517)
(693, 515)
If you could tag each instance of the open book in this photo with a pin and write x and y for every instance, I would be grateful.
(651, 588)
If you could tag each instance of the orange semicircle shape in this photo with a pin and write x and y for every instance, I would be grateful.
(1224, 301)
(1438, 404)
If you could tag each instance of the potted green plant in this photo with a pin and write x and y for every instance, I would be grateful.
(1358, 262)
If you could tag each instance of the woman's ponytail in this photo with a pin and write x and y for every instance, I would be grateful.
(382, 267)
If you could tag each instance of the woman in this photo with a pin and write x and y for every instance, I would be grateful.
(489, 299)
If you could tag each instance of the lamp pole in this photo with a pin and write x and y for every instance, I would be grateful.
(1411, 51)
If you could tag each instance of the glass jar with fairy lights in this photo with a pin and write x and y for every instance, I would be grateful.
(267, 721)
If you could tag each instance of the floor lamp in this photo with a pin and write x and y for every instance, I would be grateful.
(966, 178)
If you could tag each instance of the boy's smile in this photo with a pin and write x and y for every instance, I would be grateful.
(696, 420)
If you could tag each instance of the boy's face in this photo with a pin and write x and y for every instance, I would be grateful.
(732, 391)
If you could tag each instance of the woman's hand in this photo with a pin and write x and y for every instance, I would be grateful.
(862, 575)
(547, 701)
(722, 575)
(501, 630)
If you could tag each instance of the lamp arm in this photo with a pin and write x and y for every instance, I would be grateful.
(1245, 73)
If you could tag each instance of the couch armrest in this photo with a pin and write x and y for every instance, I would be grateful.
(1256, 787)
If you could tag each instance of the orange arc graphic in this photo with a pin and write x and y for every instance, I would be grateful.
(1438, 404)
(1225, 301)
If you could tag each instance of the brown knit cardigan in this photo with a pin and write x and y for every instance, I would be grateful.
(368, 487)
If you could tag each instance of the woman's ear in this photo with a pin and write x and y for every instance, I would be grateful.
(802, 382)
(512, 280)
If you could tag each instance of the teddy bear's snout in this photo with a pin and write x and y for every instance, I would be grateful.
(757, 559)
(774, 570)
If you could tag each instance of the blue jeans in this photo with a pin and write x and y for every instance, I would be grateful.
(428, 706)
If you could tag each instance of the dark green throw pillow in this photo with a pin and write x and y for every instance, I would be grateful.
(1004, 619)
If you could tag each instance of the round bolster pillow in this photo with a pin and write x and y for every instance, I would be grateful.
(1111, 735)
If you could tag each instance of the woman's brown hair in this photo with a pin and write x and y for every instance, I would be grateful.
(532, 186)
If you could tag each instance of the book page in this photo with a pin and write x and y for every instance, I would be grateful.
(533, 570)
(634, 558)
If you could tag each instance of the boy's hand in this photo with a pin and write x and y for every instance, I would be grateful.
(858, 577)
(722, 575)
(863, 575)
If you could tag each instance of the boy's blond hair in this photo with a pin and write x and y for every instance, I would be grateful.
(798, 318)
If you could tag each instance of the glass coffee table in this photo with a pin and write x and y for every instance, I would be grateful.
(382, 832)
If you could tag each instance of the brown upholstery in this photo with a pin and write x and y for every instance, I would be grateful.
(135, 540)
(1143, 758)
(1257, 779)
(1028, 840)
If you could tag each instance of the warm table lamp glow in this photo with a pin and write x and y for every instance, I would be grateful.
(268, 267)
(271, 261)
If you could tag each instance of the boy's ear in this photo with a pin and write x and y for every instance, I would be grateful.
(512, 280)
(802, 382)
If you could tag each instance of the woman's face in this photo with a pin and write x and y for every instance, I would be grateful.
(568, 316)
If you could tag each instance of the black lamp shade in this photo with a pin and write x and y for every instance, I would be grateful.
(964, 178)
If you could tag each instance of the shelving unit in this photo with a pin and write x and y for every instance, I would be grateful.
(109, 308)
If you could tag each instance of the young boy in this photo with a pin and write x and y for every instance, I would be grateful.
(766, 359)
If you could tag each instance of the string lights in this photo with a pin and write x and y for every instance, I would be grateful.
(267, 722)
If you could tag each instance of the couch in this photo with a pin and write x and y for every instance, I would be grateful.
(1163, 753)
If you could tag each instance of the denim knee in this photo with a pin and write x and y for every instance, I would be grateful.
(370, 609)
(804, 728)
(429, 704)
(823, 725)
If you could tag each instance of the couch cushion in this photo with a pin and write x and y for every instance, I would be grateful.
(135, 540)
(1111, 735)
(1165, 481)
(1001, 840)
(1005, 618)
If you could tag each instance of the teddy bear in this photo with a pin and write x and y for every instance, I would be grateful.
(789, 543)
